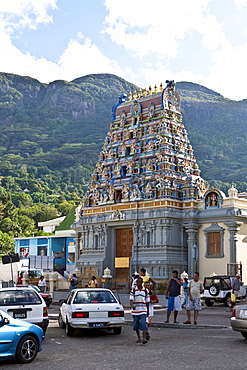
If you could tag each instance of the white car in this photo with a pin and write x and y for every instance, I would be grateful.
(25, 304)
(91, 309)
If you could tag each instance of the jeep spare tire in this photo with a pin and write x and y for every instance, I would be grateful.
(213, 290)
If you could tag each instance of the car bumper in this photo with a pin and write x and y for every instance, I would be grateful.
(43, 325)
(85, 324)
(239, 324)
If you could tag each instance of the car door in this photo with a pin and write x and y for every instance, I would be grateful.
(7, 336)
(66, 305)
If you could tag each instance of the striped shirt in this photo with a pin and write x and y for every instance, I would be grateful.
(140, 298)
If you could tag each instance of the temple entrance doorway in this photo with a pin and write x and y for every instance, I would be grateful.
(124, 243)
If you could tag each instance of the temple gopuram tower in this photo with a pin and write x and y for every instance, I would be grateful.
(141, 205)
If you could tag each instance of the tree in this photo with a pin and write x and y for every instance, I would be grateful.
(6, 244)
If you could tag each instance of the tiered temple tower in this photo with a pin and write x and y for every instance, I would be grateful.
(145, 181)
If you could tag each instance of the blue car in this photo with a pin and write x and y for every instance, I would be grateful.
(19, 339)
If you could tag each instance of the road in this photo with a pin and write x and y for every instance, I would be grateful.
(169, 348)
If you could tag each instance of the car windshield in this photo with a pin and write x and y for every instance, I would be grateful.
(94, 297)
(220, 282)
(16, 297)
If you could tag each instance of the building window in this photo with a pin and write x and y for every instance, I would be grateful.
(24, 242)
(96, 242)
(214, 244)
(214, 241)
(148, 239)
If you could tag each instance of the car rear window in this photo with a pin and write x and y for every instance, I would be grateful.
(221, 283)
(16, 297)
(94, 297)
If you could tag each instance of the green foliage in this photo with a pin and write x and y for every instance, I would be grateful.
(6, 244)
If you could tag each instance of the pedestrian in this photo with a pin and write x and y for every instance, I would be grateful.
(242, 291)
(153, 299)
(42, 283)
(185, 290)
(195, 289)
(236, 284)
(133, 280)
(93, 282)
(147, 278)
(139, 303)
(73, 282)
(173, 296)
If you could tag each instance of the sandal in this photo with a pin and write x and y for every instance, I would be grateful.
(187, 322)
(138, 341)
(195, 323)
(176, 322)
(144, 342)
(166, 322)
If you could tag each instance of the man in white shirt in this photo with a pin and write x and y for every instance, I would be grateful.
(195, 289)
(42, 283)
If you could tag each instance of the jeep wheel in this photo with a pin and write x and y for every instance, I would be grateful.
(244, 334)
(227, 301)
(213, 290)
(209, 302)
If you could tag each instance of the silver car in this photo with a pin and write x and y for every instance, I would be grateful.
(239, 319)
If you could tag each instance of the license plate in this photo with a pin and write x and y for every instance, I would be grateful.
(20, 315)
(98, 325)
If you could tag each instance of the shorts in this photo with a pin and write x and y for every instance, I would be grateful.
(174, 303)
(237, 293)
(139, 322)
(194, 305)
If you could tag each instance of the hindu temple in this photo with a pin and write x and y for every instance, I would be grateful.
(147, 205)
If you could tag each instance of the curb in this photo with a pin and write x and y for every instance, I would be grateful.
(182, 326)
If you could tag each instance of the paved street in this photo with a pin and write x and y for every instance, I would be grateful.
(169, 347)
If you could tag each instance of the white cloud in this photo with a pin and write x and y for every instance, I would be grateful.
(84, 58)
(157, 27)
(22, 13)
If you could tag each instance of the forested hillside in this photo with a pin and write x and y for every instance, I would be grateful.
(51, 135)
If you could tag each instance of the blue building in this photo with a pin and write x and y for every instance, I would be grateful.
(61, 245)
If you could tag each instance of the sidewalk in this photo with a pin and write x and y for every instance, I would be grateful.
(217, 317)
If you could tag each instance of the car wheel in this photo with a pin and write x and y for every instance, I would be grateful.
(60, 321)
(214, 290)
(227, 301)
(117, 330)
(27, 349)
(69, 330)
(244, 334)
(209, 302)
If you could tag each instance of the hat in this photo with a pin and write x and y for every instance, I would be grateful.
(136, 274)
(238, 275)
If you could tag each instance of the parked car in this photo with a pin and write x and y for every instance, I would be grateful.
(25, 304)
(91, 309)
(46, 296)
(239, 319)
(217, 289)
(19, 339)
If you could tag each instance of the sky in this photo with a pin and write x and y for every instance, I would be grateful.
(145, 42)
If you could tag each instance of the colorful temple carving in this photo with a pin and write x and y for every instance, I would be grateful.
(147, 153)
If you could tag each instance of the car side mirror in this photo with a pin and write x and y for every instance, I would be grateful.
(4, 320)
(61, 301)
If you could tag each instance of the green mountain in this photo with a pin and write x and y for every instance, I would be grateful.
(51, 134)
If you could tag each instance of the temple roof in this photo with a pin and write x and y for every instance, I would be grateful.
(147, 153)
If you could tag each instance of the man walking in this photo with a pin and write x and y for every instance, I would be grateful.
(236, 284)
(139, 303)
(173, 296)
(195, 289)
